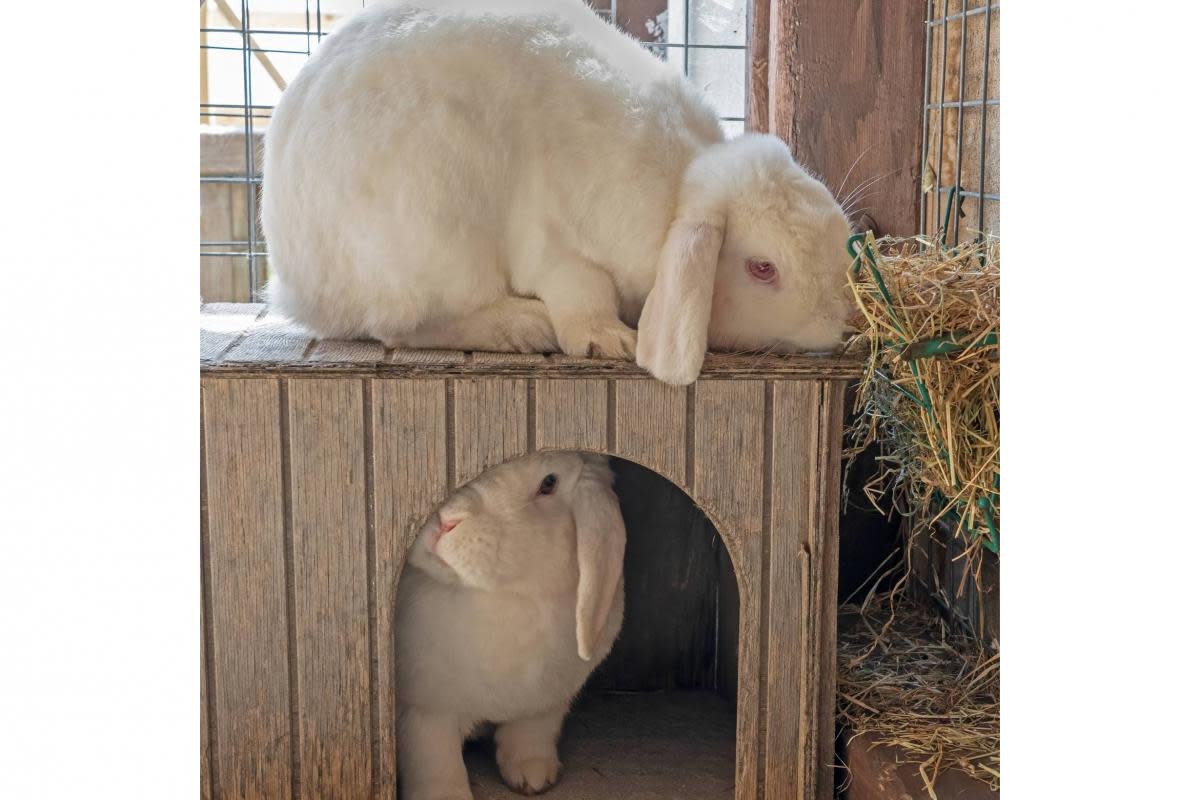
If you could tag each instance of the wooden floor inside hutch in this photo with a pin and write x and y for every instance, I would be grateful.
(633, 746)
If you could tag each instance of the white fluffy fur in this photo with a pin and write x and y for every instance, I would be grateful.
(502, 618)
(503, 175)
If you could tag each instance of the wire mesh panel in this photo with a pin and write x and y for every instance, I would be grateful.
(961, 118)
(251, 49)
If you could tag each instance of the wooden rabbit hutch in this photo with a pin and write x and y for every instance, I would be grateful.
(321, 459)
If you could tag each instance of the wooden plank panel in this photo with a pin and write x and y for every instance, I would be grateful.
(651, 426)
(795, 471)
(271, 339)
(571, 414)
(436, 357)
(205, 745)
(509, 359)
(823, 545)
(222, 323)
(329, 539)
(729, 433)
(490, 424)
(249, 592)
(409, 463)
(223, 151)
(727, 627)
(206, 754)
(841, 83)
(347, 352)
(219, 274)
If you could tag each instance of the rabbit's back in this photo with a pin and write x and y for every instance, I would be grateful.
(411, 159)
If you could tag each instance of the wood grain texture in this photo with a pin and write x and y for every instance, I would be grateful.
(663, 746)
(758, 66)
(490, 424)
(249, 609)
(329, 536)
(347, 352)
(275, 347)
(823, 545)
(509, 359)
(223, 151)
(729, 439)
(222, 278)
(408, 444)
(206, 789)
(427, 357)
(222, 324)
(571, 415)
(840, 81)
(728, 628)
(968, 595)
(207, 718)
(268, 339)
(795, 474)
(651, 427)
(878, 772)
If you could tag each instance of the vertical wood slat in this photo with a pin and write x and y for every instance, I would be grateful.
(490, 424)
(729, 447)
(205, 751)
(325, 425)
(824, 548)
(795, 475)
(651, 427)
(868, 56)
(246, 558)
(206, 720)
(571, 414)
(408, 440)
(758, 63)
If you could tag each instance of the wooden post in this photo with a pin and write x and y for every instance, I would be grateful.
(841, 83)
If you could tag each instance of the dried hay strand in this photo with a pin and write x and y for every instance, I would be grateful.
(929, 320)
(906, 678)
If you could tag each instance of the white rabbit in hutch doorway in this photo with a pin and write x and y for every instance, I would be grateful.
(519, 175)
(512, 594)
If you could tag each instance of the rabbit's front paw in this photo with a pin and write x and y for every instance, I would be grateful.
(598, 338)
(530, 776)
(528, 331)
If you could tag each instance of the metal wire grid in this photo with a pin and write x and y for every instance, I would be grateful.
(252, 115)
(973, 23)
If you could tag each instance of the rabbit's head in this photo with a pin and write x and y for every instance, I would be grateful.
(754, 260)
(544, 525)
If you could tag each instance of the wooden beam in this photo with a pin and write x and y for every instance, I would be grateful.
(842, 84)
(204, 119)
(233, 19)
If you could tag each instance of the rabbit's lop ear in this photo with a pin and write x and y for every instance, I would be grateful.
(600, 548)
(673, 329)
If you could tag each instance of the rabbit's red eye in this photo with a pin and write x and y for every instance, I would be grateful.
(548, 484)
(761, 271)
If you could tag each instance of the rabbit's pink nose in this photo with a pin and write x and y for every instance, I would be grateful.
(444, 527)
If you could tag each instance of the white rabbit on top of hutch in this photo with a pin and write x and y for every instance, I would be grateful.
(521, 176)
